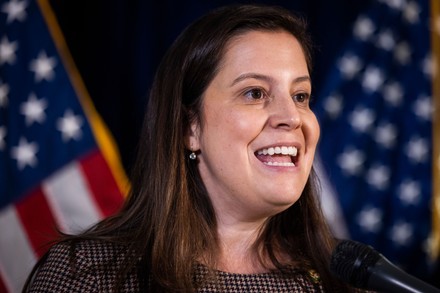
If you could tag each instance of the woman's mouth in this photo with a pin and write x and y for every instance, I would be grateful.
(284, 156)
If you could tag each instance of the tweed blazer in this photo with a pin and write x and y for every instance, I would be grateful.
(80, 268)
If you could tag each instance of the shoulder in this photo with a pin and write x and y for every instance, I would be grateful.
(94, 252)
(86, 255)
(83, 266)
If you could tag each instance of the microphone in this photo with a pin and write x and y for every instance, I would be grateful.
(363, 267)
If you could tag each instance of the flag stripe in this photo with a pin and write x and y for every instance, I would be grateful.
(5, 286)
(101, 183)
(2, 284)
(71, 200)
(37, 220)
(17, 261)
(330, 204)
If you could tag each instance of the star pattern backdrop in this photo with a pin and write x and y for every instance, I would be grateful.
(375, 110)
(58, 168)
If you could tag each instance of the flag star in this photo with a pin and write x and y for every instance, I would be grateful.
(2, 137)
(361, 119)
(428, 67)
(25, 153)
(4, 91)
(370, 219)
(429, 243)
(15, 9)
(402, 53)
(33, 110)
(409, 192)
(373, 79)
(393, 93)
(351, 161)
(333, 106)
(363, 28)
(378, 177)
(423, 108)
(70, 126)
(349, 65)
(411, 12)
(395, 4)
(7, 51)
(43, 67)
(401, 233)
(385, 40)
(417, 150)
(386, 135)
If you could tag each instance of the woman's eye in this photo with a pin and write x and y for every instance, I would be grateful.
(301, 98)
(255, 94)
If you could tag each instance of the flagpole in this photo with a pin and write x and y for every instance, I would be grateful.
(102, 134)
(435, 45)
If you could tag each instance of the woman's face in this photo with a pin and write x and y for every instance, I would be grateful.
(257, 136)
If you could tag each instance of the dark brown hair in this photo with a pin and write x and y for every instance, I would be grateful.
(168, 220)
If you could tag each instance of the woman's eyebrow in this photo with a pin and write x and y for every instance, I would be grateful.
(251, 76)
(302, 79)
(266, 78)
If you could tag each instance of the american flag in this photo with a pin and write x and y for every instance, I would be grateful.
(58, 164)
(375, 111)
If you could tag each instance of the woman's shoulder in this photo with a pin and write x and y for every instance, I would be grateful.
(91, 251)
(86, 253)
(82, 266)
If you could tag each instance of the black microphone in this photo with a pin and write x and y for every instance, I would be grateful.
(363, 267)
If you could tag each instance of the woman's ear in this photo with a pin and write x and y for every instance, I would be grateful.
(192, 137)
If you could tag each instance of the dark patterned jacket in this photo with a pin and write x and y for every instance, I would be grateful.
(81, 268)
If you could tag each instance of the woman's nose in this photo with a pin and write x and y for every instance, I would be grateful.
(284, 113)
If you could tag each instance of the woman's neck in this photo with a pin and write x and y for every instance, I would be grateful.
(238, 252)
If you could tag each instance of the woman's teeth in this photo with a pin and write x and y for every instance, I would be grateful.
(278, 156)
(283, 150)
(284, 164)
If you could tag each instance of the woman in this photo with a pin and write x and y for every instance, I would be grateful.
(223, 193)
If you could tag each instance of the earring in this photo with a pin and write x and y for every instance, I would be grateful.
(193, 156)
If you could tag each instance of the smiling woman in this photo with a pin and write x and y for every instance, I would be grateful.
(257, 100)
(223, 195)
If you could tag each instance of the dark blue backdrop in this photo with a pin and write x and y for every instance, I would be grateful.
(117, 46)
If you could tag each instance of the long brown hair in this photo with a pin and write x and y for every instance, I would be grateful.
(168, 220)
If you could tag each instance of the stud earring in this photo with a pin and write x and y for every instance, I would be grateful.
(193, 156)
